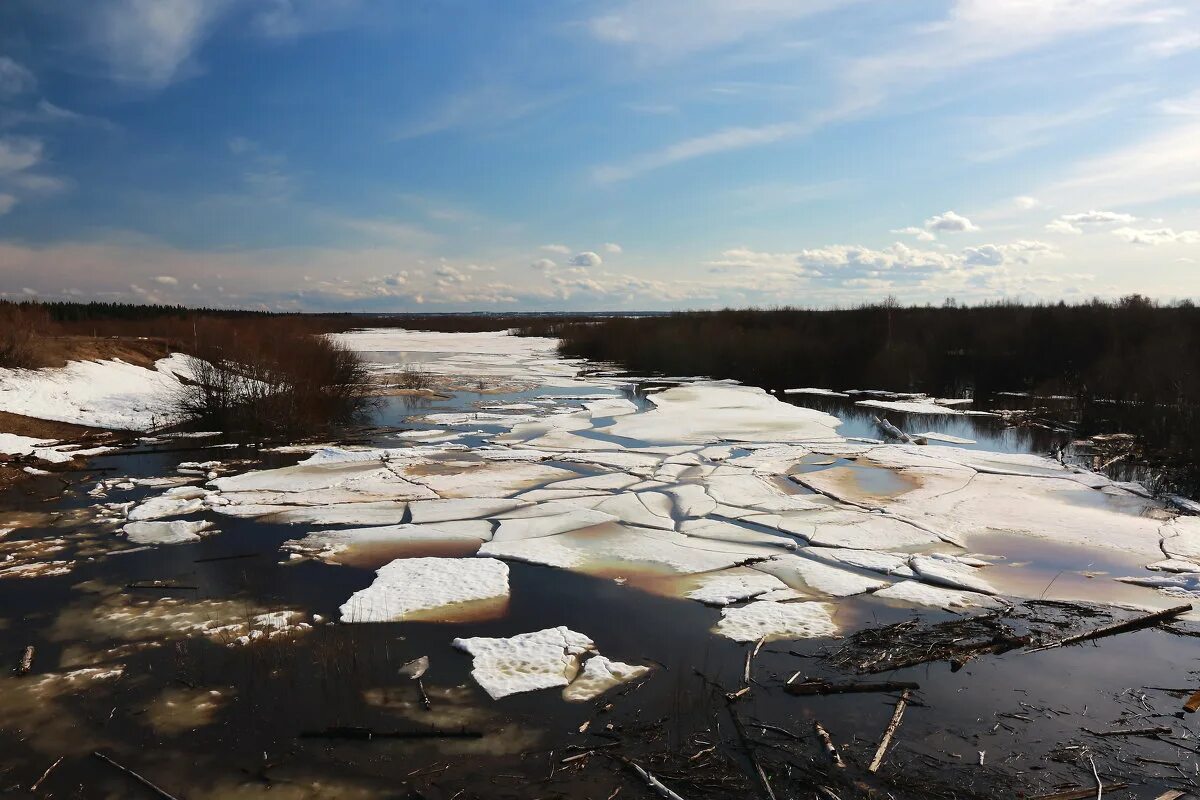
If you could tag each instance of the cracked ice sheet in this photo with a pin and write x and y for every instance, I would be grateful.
(432, 590)
(526, 662)
(376, 546)
(729, 586)
(804, 574)
(608, 550)
(915, 593)
(708, 413)
(486, 479)
(772, 621)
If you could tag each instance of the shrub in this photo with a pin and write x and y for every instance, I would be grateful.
(271, 375)
(20, 327)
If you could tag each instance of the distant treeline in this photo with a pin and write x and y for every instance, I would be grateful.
(1133, 365)
(1132, 349)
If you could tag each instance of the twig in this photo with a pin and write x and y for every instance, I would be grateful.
(140, 779)
(830, 747)
(889, 731)
(750, 659)
(1099, 785)
(45, 775)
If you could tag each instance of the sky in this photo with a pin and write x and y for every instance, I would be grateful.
(463, 155)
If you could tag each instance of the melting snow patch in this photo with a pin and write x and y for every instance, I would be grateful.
(422, 588)
(916, 593)
(770, 620)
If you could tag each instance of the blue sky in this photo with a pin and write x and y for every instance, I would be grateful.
(455, 155)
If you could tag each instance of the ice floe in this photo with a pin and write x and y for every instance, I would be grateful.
(526, 662)
(771, 620)
(173, 532)
(430, 589)
(600, 674)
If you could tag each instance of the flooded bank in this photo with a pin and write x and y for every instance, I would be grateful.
(677, 530)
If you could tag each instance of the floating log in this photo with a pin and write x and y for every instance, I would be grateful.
(892, 431)
(25, 662)
(1135, 624)
(139, 778)
(1159, 730)
(651, 781)
(825, 687)
(37, 784)
(830, 747)
(890, 731)
(367, 734)
(224, 558)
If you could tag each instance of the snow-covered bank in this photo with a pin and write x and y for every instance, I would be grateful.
(98, 394)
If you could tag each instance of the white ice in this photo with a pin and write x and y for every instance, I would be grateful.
(426, 588)
(770, 620)
(526, 662)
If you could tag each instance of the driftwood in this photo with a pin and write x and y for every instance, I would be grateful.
(45, 775)
(827, 743)
(819, 687)
(1136, 624)
(767, 791)
(158, 586)
(1192, 703)
(224, 558)
(750, 659)
(892, 431)
(25, 663)
(1160, 730)
(139, 778)
(367, 734)
(651, 781)
(890, 731)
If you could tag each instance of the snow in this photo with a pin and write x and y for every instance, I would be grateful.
(427, 589)
(174, 532)
(526, 662)
(598, 676)
(771, 620)
(99, 394)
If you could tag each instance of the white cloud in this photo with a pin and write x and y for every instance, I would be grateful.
(1026, 202)
(19, 153)
(481, 105)
(614, 248)
(1161, 166)
(1156, 236)
(950, 222)
(166, 280)
(666, 29)
(544, 264)
(149, 43)
(921, 234)
(1062, 226)
(586, 259)
(561, 249)
(14, 78)
(7, 203)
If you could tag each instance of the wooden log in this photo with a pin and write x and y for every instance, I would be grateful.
(1135, 624)
(1192, 703)
(825, 687)
(139, 778)
(890, 731)
(37, 784)
(1160, 730)
(25, 662)
(654, 783)
(827, 742)
(892, 431)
